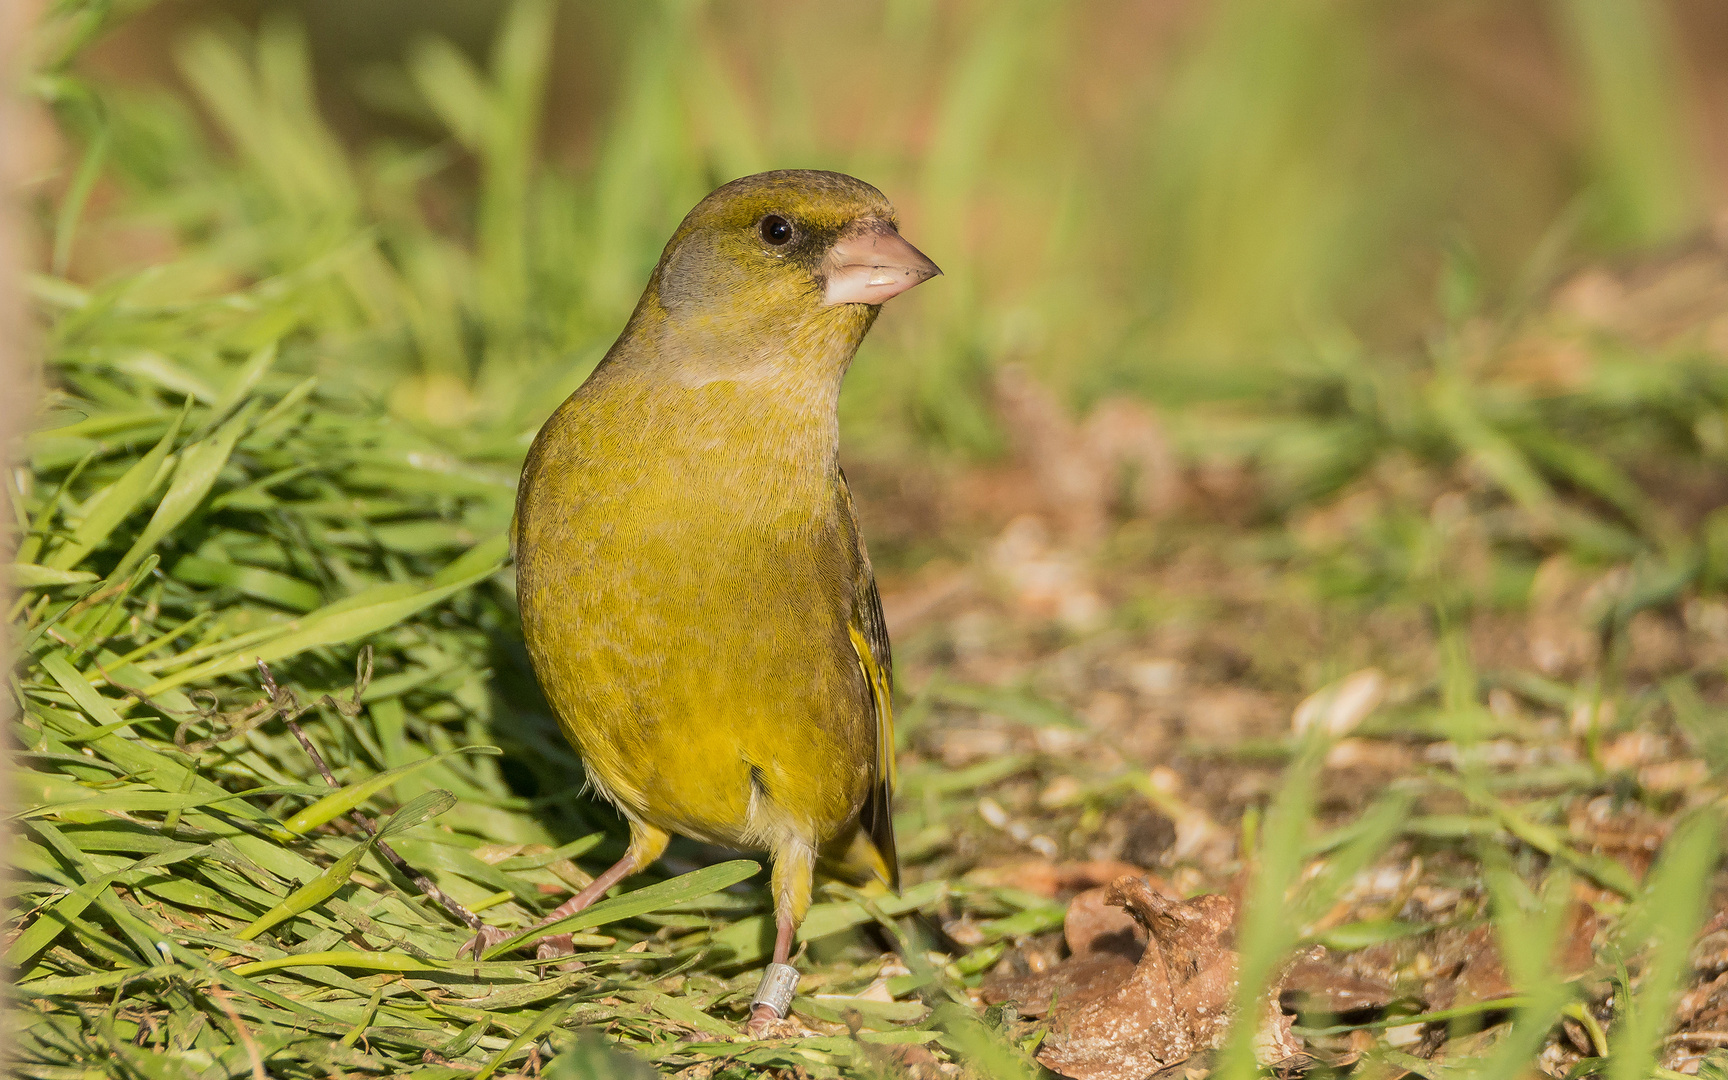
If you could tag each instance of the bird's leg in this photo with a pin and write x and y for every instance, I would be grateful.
(773, 998)
(646, 844)
(794, 860)
(595, 889)
(559, 944)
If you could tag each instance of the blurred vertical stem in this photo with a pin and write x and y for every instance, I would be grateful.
(721, 115)
(645, 161)
(520, 57)
(1645, 169)
(83, 183)
(1668, 916)
(1251, 173)
(968, 117)
(1267, 930)
(1528, 927)
(499, 123)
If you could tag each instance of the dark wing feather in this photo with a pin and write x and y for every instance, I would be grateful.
(877, 662)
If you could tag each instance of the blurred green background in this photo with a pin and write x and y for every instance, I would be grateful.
(1176, 199)
(1313, 235)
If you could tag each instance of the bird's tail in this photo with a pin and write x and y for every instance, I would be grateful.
(855, 859)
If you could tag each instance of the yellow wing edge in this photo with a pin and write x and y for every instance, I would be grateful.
(878, 811)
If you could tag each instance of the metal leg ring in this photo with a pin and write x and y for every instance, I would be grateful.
(775, 991)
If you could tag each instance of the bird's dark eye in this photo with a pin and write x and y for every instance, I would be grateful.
(775, 230)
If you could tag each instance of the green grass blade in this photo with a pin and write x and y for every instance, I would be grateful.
(1670, 912)
(697, 883)
(747, 941)
(543, 1023)
(106, 509)
(349, 620)
(193, 478)
(325, 885)
(35, 576)
(1266, 933)
(344, 799)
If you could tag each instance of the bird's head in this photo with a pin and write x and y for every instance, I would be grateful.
(789, 253)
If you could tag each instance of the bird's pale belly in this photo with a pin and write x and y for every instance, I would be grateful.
(704, 701)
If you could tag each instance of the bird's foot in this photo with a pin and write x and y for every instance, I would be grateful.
(763, 1024)
(487, 937)
(556, 945)
(763, 1020)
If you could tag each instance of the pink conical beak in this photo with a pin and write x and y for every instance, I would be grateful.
(872, 263)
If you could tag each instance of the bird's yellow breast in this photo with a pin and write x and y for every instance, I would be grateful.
(686, 573)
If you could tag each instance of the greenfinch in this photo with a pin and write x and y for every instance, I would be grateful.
(696, 597)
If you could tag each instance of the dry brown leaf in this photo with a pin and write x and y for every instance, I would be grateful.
(1315, 981)
(1094, 924)
(1115, 1019)
(1175, 1003)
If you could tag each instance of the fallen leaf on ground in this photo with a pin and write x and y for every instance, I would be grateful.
(1316, 982)
(1470, 968)
(1113, 1019)
(1094, 924)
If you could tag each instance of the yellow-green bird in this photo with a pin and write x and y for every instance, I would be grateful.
(696, 596)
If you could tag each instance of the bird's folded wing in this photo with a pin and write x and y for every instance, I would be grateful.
(869, 632)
